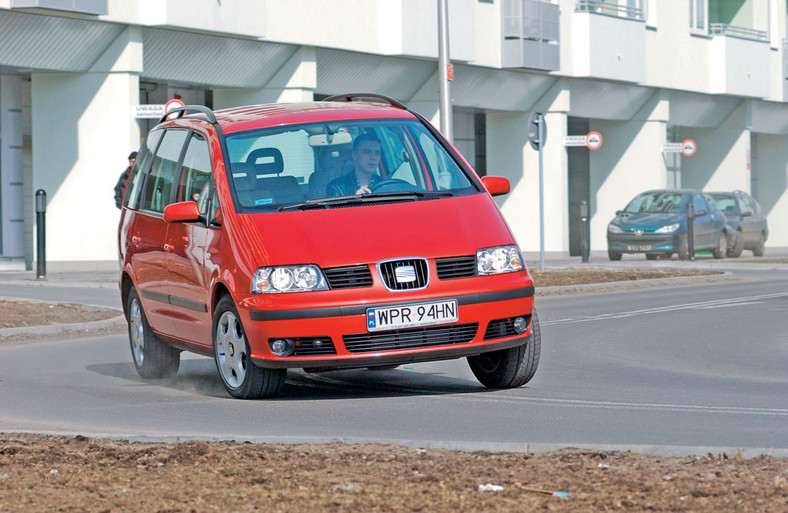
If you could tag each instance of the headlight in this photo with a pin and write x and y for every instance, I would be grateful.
(288, 278)
(501, 259)
(612, 228)
(668, 229)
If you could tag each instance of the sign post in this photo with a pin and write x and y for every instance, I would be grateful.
(537, 135)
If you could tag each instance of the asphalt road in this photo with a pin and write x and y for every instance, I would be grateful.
(703, 366)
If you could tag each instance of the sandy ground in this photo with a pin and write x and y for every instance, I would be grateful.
(41, 473)
(46, 473)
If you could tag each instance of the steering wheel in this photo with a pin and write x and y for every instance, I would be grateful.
(391, 185)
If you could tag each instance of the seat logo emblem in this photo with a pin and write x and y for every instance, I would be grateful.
(638, 232)
(405, 274)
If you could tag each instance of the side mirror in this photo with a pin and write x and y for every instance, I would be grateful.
(496, 185)
(700, 213)
(185, 211)
(619, 212)
(746, 213)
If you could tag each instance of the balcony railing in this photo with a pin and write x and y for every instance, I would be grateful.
(722, 29)
(608, 9)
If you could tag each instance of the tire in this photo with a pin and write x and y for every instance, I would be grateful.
(736, 251)
(760, 249)
(240, 376)
(614, 255)
(683, 249)
(722, 247)
(153, 358)
(509, 368)
(651, 256)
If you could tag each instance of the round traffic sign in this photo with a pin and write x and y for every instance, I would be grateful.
(688, 147)
(593, 140)
(172, 104)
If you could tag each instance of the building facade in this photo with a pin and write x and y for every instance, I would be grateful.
(641, 73)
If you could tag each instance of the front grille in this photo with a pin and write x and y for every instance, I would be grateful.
(456, 267)
(314, 346)
(410, 338)
(348, 277)
(501, 328)
(406, 274)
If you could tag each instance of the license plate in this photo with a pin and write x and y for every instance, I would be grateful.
(411, 316)
(639, 248)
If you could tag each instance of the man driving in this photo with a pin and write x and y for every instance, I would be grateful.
(365, 157)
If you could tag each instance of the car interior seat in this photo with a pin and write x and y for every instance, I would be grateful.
(333, 164)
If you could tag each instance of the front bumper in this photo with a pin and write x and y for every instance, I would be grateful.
(337, 337)
(645, 243)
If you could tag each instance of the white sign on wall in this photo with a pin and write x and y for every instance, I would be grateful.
(687, 147)
(155, 110)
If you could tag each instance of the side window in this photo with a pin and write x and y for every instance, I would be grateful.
(195, 171)
(158, 186)
(139, 171)
(698, 204)
(746, 206)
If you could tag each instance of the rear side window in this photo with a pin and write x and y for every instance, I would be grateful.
(137, 176)
(727, 204)
(158, 186)
(195, 171)
(699, 204)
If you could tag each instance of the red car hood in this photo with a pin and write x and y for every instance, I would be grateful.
(366, 234)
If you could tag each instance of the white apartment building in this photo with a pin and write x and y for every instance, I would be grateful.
(641, 73)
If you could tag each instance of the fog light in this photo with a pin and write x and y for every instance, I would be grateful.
(282, 346)
(520, 325)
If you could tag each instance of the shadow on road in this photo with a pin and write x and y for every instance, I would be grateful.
(199, 376)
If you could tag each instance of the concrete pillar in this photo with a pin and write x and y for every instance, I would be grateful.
(83, 132)
(721, 162)
(771, 187)
(12, 228)
(510, 154)
(294, 82)
(629, 162)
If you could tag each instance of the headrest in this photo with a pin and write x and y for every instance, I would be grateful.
(266, 161)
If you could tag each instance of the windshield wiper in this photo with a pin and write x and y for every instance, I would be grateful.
(364, 198)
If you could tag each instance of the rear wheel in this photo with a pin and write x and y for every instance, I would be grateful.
(722, 247)
(614, 255)
(738, 247)
(509, 368)
(760, 249)
(153, 358)
(240, 376)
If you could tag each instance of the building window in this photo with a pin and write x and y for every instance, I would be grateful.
(699, 10)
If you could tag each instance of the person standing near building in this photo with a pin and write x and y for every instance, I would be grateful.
(120, 187)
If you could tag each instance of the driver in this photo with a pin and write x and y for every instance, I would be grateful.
(366, 157)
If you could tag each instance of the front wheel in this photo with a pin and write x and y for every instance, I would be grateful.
(738, 247)
(722, 247)
(153, 358)
(509, 368)
(240, 376)
(614, 255)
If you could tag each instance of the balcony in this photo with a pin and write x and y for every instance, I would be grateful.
(739, 61)
(530, 34)
(608, 41)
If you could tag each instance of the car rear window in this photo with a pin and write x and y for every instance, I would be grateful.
(276, 167)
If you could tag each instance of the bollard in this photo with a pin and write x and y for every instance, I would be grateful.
(584, 241)
(41, 245)
(690, 230)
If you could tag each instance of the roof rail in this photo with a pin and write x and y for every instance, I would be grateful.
(195, 108)
(358, 96)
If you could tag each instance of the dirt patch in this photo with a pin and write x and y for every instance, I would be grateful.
(586, 276)
(43, 473)
(17, 314)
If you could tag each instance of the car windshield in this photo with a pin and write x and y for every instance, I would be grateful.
(725, 203)
(318, 165)
(657, 202)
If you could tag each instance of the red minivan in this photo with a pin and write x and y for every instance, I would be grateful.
(345, 233)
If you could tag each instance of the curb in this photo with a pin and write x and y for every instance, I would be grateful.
(525, 448)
